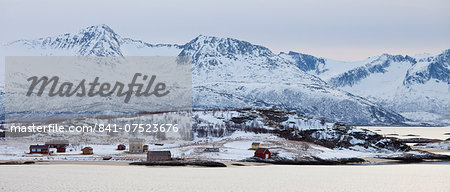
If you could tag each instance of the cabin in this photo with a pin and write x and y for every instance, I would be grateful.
(121, 147)
(87, 151)
(40, 149)
(136, 145)
(60, 145)
(255, 145)
(212, 149)
(159, 156)
(263, 153)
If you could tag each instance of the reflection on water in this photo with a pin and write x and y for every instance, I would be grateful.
(404, 177)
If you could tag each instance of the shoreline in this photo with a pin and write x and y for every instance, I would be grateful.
(244, 163)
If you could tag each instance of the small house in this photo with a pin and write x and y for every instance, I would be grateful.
(136, 145)
(41, 149)
(60, 145)
(263, 153)
(255, 145)
(121, 147)
(212, 149)
(87, 151)
(159, 156)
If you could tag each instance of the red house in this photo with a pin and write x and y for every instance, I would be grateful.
(42, 149)
(60, 145)
(121, 147)
(263, 153)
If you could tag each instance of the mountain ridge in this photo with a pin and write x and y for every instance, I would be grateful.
(230, 73)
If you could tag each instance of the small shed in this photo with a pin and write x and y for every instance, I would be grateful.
(60, 145)
(2, 133)
(41, 149)
(145, 148)
(263, 153)
(121, 147)
(212, 149)
(87, 151)
(256, 145)
(136, 145)
(159, 156)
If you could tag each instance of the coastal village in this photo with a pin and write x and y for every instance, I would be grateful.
(261, 135)
(135, 146)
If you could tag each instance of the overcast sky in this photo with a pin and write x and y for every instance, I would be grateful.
(338, 29)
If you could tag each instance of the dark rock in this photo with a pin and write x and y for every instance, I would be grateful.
(180, 163)
(312, 161)
(419, 140)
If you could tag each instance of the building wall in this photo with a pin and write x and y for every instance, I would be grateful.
(263, 154)
(38, 150)
(158, 158)
(136, 148)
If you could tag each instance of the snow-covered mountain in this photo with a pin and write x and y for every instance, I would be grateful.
(227, 73)
(97, 40)
(418, 87)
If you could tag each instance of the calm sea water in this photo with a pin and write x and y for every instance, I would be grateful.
(65, 177)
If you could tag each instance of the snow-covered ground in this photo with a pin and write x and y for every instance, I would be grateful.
(232, 148)
(288, 135)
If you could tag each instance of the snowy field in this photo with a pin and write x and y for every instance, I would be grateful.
(232, 148)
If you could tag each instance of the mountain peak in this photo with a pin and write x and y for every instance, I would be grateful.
(98, 40)
(227, 47)
(102, 28)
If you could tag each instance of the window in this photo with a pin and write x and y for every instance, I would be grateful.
(138, 147)
(38, 150)
(33, 150)
(132, 147)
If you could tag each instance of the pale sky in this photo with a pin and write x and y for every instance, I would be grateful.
(337, 29)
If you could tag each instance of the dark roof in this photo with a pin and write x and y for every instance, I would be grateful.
(39, 146)
(261, 150)
(57, 142)
(212, 149)
(159, 153)
(256, 143)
